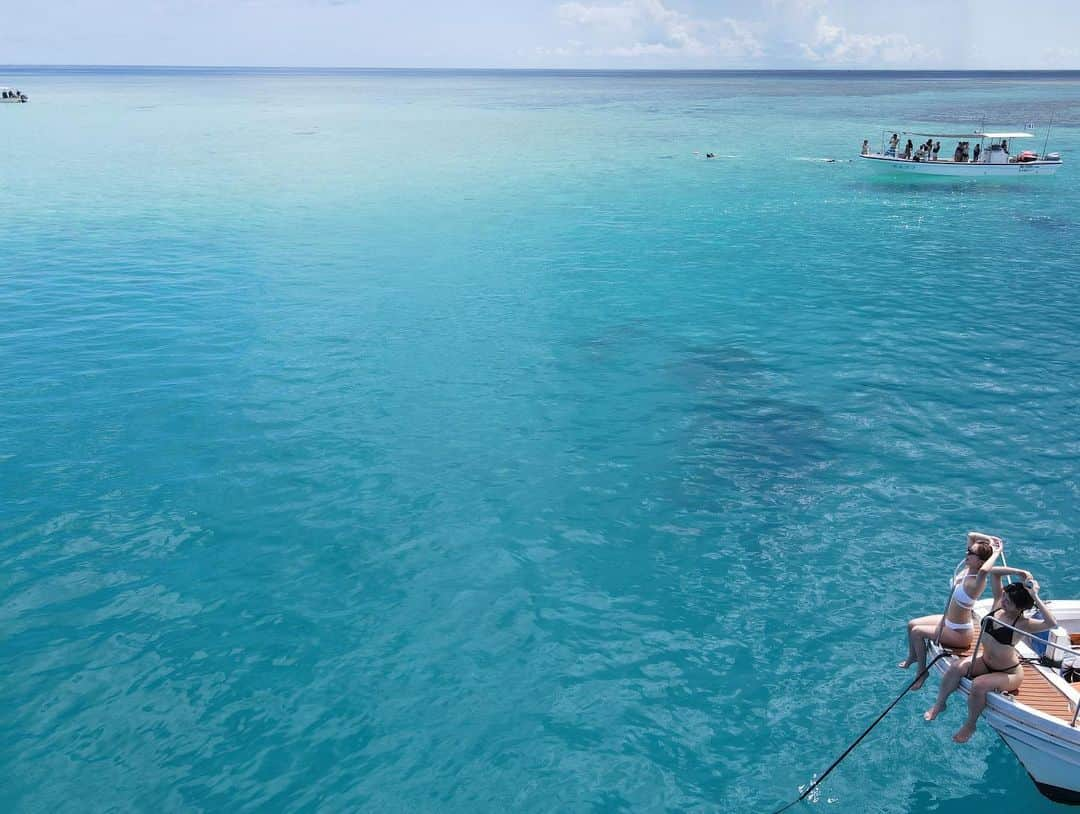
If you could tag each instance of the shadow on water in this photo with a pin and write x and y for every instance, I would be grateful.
(942, 185)
(1004, 786)
(653, 657)
(614, 341)
(748, 460)
(699, 363)
(1047, 223)
(740, 430)
(741, 442)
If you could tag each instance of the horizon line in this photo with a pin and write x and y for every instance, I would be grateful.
(579, 69)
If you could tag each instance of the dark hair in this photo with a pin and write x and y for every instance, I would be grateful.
(1020, 596)
(983, 550)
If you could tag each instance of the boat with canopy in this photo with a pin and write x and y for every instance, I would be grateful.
(977, 153)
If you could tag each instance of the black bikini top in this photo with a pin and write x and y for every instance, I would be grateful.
(997, 631)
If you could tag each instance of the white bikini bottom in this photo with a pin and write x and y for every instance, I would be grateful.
(959, 625)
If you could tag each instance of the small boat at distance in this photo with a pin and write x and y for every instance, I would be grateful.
(10, 95)
(1039, 722)
(991, 159)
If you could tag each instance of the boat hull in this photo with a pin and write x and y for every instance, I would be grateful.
(960, 169)
(1057, 793)
(1048, 750)
(1052, 764)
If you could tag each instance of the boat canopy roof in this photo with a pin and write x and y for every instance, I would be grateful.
(974, 135)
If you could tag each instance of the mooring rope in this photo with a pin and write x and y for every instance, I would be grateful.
(866, 732)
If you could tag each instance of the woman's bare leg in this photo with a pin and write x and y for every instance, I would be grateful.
(914, 642)
(980, 688)
(949, 682)
(950, 638)
(953, 639)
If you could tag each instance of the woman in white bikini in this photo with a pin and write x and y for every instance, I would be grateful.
(997, 667)
(955, 629)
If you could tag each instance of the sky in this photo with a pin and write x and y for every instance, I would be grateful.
(621, 34)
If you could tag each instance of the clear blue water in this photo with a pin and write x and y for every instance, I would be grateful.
(468, 442)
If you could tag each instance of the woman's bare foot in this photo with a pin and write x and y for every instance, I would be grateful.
(963, 734)
(933, 712)
(905, 663)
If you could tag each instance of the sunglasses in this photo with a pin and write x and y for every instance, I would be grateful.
(973, 553)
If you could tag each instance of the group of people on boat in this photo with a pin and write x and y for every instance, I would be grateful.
(963, 153)
(995, 666)
(924, 152)
(12, 95)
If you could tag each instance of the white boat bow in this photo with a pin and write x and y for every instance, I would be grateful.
(1039, 722)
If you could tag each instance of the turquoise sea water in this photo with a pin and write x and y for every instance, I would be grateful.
(468, 442)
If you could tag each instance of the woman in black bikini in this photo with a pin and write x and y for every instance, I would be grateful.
(997, 667)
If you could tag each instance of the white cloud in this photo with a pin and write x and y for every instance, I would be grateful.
(740, 40)
(788, 32)
(835, 45)
(797, 6)
(620, 17)
(1067, 58)
(649, 28)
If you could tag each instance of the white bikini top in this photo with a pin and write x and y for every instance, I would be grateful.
(960, 596)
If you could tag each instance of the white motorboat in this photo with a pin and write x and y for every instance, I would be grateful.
(1039, 722)
(991, 156)
(13, 95)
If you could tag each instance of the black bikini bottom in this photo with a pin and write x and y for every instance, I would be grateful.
(992, 670)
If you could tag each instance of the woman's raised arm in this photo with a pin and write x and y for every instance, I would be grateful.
(1048, 621)
(1001, 570)
(987, 568)
(999, 591)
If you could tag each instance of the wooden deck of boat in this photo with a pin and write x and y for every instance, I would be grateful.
(1037, 692)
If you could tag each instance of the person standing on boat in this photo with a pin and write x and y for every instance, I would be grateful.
(955, 629)
(894, 142)
(908, 148)
(936, 150)
(997, 666)
(975, 155)
(866, 146)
